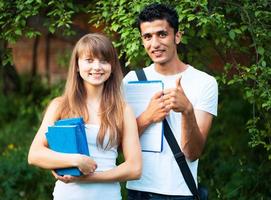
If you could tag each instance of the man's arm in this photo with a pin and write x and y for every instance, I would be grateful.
(195, 128)
(195, 123)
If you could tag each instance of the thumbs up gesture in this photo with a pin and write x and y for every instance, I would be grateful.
(175, 98)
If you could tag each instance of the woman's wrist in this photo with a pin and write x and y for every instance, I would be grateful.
(75, 160)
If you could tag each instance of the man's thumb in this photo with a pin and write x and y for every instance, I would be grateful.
(178, 82)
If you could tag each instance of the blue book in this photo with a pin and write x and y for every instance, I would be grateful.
(68, 136)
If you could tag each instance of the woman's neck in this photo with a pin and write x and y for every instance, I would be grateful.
(94, 92)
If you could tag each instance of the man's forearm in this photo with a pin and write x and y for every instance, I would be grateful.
(142, 123)
(192, 139)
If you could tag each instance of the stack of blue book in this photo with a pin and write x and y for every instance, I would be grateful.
(68, 136)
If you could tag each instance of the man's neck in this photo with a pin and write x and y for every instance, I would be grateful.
(170, 68)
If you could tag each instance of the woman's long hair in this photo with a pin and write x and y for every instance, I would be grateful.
(74, 103)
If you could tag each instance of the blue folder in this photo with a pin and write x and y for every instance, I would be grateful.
(68, 136)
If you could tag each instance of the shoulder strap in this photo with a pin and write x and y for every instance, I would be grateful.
(180, 159)
(177, 152)
(141, 75)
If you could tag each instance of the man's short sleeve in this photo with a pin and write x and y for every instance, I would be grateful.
(208, 98)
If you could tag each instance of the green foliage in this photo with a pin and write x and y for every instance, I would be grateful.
(47, 16)
(229, 168)
(20, 117)
(20, 181)
(13, 18)
(248, 25)
(60, 15)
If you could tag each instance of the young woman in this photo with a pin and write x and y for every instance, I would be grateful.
(93, 91)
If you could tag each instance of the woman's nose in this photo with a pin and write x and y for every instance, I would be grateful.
(96, 64)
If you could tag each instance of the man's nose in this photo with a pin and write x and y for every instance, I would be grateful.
(155, 42)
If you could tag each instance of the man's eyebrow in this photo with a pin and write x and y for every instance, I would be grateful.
(162, 31)
(156, 32)
(145, 34)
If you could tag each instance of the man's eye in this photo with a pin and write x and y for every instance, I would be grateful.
(146, 37)
(162, 34)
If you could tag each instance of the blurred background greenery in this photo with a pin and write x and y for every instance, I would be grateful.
(228, 39)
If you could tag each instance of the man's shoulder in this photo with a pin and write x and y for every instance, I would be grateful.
(200, 75)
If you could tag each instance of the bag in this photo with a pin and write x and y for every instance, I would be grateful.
(203, 192)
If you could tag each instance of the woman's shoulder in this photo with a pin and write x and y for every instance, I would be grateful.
(53, 107)
(56, 102)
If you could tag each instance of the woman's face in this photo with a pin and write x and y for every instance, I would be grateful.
(94, 71)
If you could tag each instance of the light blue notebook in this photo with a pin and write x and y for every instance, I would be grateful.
(138, 95)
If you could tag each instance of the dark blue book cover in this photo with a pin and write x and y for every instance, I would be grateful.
(68, 136)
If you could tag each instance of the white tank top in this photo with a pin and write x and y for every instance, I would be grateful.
(105, 159)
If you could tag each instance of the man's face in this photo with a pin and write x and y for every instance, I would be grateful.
(159, 41)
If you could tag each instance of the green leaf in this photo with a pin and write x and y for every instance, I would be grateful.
(232, 34)
(190, 18)
(51, 29)
(260, 50)
(184, 39)
(237, 31)
(18, 32)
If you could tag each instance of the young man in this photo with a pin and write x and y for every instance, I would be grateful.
(188, 102)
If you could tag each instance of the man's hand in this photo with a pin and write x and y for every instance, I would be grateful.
(175, 98)
(157, 109)
(155, 112)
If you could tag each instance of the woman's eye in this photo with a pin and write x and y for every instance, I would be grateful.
(89, 60)
(104, 62)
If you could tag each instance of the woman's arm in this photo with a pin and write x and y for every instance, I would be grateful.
(41, 156)
(128, 170)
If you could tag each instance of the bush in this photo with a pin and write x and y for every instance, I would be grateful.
(20, 181)
(229, 166)
(20, 116)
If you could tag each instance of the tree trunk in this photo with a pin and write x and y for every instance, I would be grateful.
(10, 78)
(47, 58)
(34, 57)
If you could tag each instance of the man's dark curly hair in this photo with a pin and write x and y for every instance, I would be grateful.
(157, 11)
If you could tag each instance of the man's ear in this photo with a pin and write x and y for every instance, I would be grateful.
(178, 37)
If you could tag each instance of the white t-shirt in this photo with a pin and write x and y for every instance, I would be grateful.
(105, 159)
(161, 173)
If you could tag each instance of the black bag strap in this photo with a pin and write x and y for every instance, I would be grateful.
(176, 150)
(141, 75)
(180, 159)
